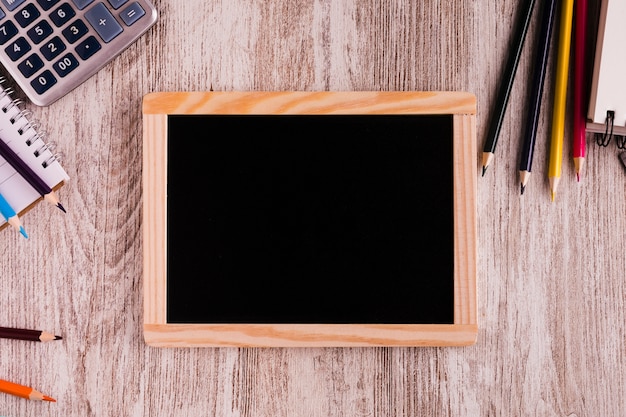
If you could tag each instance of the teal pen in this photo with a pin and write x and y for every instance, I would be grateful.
(10, 216)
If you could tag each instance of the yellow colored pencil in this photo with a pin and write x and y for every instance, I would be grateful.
(560, 96)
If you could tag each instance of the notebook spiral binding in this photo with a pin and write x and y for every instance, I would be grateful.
(603, 139)
(37, 138)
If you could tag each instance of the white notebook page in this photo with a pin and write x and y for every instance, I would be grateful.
(15, 189)
(608, 87)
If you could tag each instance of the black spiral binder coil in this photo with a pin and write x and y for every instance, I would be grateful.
(603, 139)
(24, 123)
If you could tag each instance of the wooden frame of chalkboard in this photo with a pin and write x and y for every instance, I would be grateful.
(367, 279)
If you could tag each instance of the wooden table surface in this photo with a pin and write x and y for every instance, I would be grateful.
(551, 281)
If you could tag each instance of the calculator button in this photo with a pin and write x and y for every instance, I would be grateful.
(30, 65)
(52, 48)
(75, 31)
(17, 49)
(103, 22)
(39, 32)
(47, 4)
(65, 65)
(62, 14)
(117, 3)
(81, 4)
(43, 82)
(2, 14)
(88, 47)
(7, 31)
(12, 4)
(132, 13)
(27, 15)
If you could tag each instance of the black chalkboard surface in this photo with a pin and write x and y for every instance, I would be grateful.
(301, 228)
(310, 219)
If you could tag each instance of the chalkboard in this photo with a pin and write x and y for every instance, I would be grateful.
(309, 219)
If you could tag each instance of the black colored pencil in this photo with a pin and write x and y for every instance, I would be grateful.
(536, 91)
(29, 175)
(506, 83)
(27, 334)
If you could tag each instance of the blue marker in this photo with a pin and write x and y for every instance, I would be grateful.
(10, 216)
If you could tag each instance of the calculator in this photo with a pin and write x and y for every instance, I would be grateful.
(49, 47)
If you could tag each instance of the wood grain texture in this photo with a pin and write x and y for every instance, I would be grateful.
(551, 284)
(160, 333)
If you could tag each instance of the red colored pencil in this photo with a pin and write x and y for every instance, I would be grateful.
(580, 102)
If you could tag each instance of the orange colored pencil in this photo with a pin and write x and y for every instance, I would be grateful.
(23, 391)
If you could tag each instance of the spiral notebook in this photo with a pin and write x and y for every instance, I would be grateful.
(607, 103)
(22, 134)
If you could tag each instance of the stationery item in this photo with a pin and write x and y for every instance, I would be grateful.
(51, 47)
(506, 83)
(23, 391)
(10, 216)
(29, 175)
(560, 96)
(607, 99)
(27, 334)
(20, 136)
(536, 91)
(580, 87)
(620, 140)
(319, 189)
(622, 157)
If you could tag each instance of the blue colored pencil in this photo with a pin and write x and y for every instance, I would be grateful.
(10, 216)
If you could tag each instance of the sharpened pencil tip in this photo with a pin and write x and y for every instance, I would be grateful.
(552, 195)
(46, 398)
(23, 232)
(577, 177)
(522, 188)
(484, 169)
(59, 205)
(58, 338)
